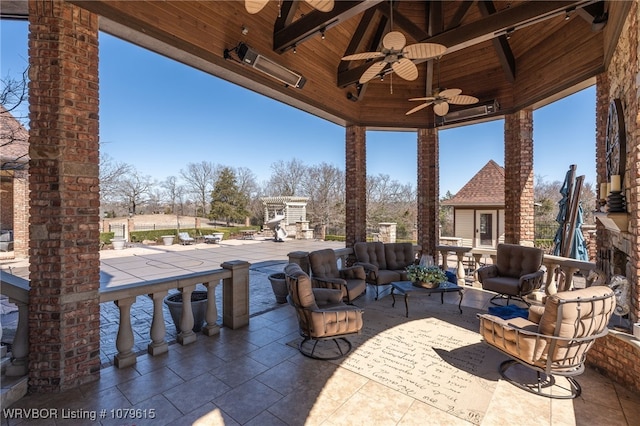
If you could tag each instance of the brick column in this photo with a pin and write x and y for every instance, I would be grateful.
(428, 191)
(356, 185)
(518, 180)
(64, 308)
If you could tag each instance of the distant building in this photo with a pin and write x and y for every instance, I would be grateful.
(478, 208)
(14, 185)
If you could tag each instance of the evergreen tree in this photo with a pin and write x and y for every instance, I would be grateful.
(228, 202)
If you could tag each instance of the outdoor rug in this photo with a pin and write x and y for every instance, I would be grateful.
(435, 356)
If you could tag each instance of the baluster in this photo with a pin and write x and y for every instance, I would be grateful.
(20, 347)
(567, 283)
(444, 253)
(158, 345)
(124, 342)
(211, 316)
(460, 270)
(551, 286)
(186, 334)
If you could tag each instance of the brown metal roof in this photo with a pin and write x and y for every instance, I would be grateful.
(486, 188)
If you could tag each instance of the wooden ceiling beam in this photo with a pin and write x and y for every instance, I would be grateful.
(485, 29)
(462, 10)
(315, 22)
(357, 37)
(500, 44)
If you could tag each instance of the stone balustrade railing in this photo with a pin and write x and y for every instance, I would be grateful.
(560, 270)
(235, 306)
(17, 291)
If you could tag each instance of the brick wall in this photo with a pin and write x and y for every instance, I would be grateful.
(355, 185)
(64, 309)
(21, 214)
(617, 355)
(518, 180)
(428, 191)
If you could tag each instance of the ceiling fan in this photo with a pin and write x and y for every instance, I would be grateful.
(442, 99)
(255, 6)
(395, 53)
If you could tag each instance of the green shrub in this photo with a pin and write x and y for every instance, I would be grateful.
(335, 238)
(105, 237)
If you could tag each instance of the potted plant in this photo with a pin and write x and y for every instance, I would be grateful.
(198, 307)
(426, 276)
(279, 287)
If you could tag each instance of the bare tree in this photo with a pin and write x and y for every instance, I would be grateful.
(14, 138)
(111, 172)
(173, 193)
(134, 190)
(324, 185)
(388, 200)
(286, 178)
(199, 180)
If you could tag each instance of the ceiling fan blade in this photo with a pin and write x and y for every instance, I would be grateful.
(430, 99)
(394, 40)
(418, 108)
(321, 5)
(449, 93)
(441, 109)
(255, 6)
(406, 69)
(463, 100)
(424, 50)
(363, 55)
(372, 71)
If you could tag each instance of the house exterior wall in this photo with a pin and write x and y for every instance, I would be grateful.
(464, 226)
(617, 354)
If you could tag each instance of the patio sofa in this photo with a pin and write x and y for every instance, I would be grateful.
(384, 263)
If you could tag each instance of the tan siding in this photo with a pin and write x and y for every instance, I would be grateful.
(464, 226)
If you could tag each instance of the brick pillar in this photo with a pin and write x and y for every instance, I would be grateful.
(518, 179)
(64, 308)
(428, 191)
(356, 185)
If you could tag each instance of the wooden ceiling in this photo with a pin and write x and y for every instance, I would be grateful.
(518, 53)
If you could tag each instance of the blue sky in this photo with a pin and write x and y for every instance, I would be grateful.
(160, 115)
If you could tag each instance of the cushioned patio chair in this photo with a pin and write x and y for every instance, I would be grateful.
(516, 273)
(322, 315)
(553, 341)
(325, 274)
(185, 238)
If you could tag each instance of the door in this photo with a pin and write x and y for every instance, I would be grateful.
(485, 230)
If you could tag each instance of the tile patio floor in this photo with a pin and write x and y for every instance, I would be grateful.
(251, 376)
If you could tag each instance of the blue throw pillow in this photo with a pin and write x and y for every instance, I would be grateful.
(451, 277)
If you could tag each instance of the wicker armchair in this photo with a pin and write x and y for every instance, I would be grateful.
(325, 274)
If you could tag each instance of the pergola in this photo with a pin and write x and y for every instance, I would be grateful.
(513, 56)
